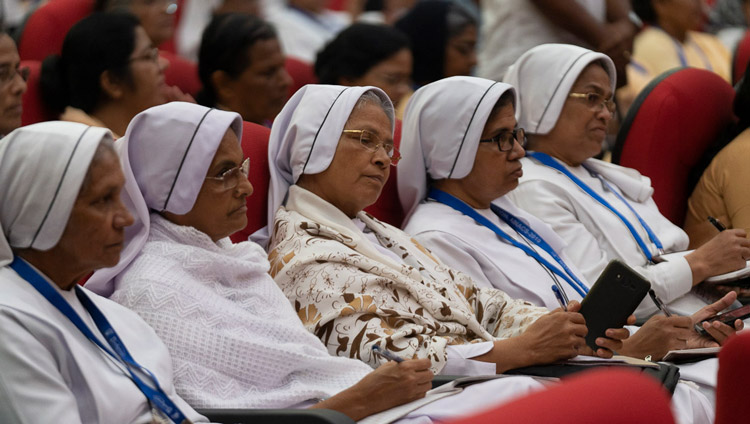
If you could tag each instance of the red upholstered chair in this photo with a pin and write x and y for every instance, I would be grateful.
(181, 72)
(671, 123)
(45, 29)
(734, 373)
(34, 109)
(612, 397)
(302, 73)
(255, 147)
(388, 207)
(740, 58)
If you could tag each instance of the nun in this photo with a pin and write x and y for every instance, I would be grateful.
(67, 354)
(602, 211)
(357, 282)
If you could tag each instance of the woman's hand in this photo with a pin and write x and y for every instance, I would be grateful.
(556, 336)
(612, 342)
(659, 335)
(726, 252)
(390, 385)
(719, 332)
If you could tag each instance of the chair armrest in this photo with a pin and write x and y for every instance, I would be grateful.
(275, 416)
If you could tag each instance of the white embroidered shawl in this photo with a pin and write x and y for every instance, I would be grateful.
(234, 338)
(352, 297)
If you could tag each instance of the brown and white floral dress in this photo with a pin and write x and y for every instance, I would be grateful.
(352, 296)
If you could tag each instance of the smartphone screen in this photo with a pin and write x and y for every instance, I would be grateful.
(727, 318)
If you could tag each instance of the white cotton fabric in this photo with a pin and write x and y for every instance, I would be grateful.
(428, 123)
(42, 167)
(305, 135)
(167, 178)
(234, 338)
(544, 76)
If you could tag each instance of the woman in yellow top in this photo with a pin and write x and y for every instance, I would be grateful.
(670, 40)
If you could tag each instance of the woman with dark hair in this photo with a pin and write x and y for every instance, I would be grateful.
(156, 16)
(242, 68)
(108, 72)
(368, 54)
(443, 37)
(722, 191)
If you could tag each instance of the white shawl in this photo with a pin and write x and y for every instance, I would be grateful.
(233, 336)
(42, 167)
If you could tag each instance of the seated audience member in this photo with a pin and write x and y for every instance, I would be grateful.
(305, 26)
(157, 17)
(60, 221)
(461, 212)
(368, 54)
(728, 19)
(602, 211)
(671, 39)
(234, 337)
(242, 68)
(357, 282)
(723, 191)
(12, 85)
(108, 72)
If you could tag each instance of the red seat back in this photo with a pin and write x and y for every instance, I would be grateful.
(388, 206)
(181, 72)
(731, 388)
(740, 58)
(45, 29)
(34, 109)
(671, 123)
(302, 73)
(255, 147)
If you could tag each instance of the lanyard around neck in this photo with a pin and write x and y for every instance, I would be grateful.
(155, 395)
(547, 160)
(522, 228)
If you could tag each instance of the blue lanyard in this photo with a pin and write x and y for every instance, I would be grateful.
(545, 159)
(156, 396)
(681, 52)
(519, 226)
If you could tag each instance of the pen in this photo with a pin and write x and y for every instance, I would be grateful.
(716, 223)
(385, 354)
(659, 304)
(560, 299)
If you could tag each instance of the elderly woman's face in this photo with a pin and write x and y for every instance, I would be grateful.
(580, 131)
(95, 233)
(356, 176)
(220, 209)
(393, 75)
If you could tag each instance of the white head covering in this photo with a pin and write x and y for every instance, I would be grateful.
(165, 155)
(305, 134)
(544, 76)
(42, 167)
(440, 136)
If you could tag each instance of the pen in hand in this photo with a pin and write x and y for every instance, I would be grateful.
(560, 299)
(716, 223)
(386, 354)
(659, 304)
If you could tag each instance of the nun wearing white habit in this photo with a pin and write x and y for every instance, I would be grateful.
(235, 340)
(357, 282)
(602, 211)
(61, 218)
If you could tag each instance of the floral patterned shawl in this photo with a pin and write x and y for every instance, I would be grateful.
(353, 297)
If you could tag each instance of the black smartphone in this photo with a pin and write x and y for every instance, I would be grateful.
(614, 297)
(727, 318)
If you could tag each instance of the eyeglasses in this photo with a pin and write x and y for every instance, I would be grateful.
(595, 101)
(372, 143)
(231, 177)
(8, 74)
(505, 139)
(151, 55)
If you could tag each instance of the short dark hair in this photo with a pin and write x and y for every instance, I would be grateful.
(225, 46)
(356, 50)
(645, 10)
(98, 43)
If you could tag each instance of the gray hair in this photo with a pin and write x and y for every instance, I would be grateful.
(370, 97)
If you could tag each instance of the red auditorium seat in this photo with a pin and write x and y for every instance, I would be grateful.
(732, 381)
(45, 29)
(33, 107)
(740, 58)
(388, 207)
(181, 72)
(302, 73)
(671, 123)
(255, 147)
